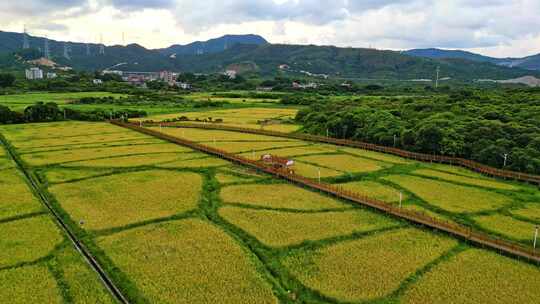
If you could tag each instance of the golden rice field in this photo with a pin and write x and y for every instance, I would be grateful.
(29, 284)
(466, 180)
(531, 212)
(278, 196)
(477, 276)
(451, 197)
(375, 190)
(368, 268)
(168, 219)
(198, 263)
(122, 199)
(276, 228)
(203, 135)
(344, 163)
(507, 226)
(27, 240)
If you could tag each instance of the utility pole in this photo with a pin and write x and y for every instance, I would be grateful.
(26, 43)
(319, 173)
(327, 133)
(505, 155)
(437, 79)
(535, 237)
(395, 139)
(400, 199)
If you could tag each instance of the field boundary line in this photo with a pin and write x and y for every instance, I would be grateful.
(455, 161)
(454, 229)
(79, 246)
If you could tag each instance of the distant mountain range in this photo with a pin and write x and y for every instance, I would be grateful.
(252, 53)
(528, 63)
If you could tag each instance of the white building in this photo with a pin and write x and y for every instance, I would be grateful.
(183, 85)
(231, 74)
(51, 75)
(168, 77)
(34, 73)
(97, 81)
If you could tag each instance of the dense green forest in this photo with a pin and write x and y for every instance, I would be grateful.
(475, 124)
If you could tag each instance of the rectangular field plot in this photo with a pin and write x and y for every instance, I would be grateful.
(199, 162)
(478, 181)
(61, 175)
(477, 276)
(368, 268)
(27, 240)
(15, 197)
(276, 228)
(241, 146)
(344, 163)
(530, 212)
(128, 161)
(451, 197)
(73, 155)
(188, 261)
(280, 196)
(29, 284)
(57, 130)
(388, 158)
(93, 142)
(291, 152)
(203, 135)
(122, 199)
(375, 190)
(507, 226)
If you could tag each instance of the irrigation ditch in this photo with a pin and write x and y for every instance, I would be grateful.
(78, 244)
(457, 230)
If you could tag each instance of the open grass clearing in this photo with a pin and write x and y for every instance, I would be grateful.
(375, 190)
(122, 199)
(278, 196)
(277, 229)
(478, 181)
(187, 261)
(477, 276)
(344, 163)
(387, 158)
(451, 197)
(369, 268)
(29, 284)
(27, 240)
(507, 226)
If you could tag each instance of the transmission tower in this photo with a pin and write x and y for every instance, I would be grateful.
(88, 49)
(26, 43)
(66, 51)
(101, 46)
(46, 49)
(437, 79)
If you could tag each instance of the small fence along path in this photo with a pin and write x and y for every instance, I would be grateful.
(460, 231)
(456, 161)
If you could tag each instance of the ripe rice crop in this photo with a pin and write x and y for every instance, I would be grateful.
(61, 175)
(531, 212)
(227, 178)
(477, 276)
(466, 180)
(29, 284)
(455, 170)
(54, 130)
(275, 228)
(91, 145)
(387, 158)
(188, 261)
(122, 199)
(312, 171)
(80, 141)
(291, 152)
(15, 197)
(84, 284)
(451, 197)
(203, 135)
(507, 226)
(278, 196)
(27, 240)
(205, 162)
(48, 158)
(368, 268)
(375, 190)
(237, 147)
(126, 161)
(345, 163)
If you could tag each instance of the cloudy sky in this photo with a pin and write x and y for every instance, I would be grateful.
(492, 27)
